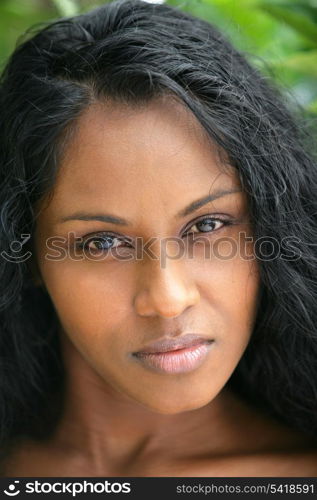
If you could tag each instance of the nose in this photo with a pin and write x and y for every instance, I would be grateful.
(165, 291)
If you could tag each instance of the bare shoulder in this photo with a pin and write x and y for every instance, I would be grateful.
(300, 463)
(281, 453)
(275, 464)
(266, 448)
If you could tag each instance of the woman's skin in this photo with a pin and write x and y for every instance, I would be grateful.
(146, 164)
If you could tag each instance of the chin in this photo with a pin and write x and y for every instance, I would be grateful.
(167, 406)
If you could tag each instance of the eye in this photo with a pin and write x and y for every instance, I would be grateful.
(102, 242)
(209, 224)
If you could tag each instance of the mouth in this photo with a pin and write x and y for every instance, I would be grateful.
(173, 356)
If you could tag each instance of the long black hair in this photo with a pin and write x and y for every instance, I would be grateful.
(130, 52)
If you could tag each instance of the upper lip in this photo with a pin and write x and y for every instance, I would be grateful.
(172, 344)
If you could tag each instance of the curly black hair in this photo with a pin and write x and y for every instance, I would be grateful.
(130, 52)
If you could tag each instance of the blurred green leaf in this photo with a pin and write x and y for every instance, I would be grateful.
(15, 19)
(298, 21)
(313, 107)
(303, 62)
(66, 7)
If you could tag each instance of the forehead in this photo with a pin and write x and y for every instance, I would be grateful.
(118, 154)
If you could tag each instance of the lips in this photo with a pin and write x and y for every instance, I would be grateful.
(175, 356)
(173, 344)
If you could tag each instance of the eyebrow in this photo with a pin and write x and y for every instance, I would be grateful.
(124, 222)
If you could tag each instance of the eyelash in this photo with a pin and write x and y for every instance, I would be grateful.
(82, 245)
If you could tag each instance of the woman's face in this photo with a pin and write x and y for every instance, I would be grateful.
(160, 271)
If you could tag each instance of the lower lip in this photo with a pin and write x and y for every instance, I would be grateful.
(179, 361)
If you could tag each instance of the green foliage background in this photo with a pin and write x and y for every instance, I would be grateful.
(279, 35)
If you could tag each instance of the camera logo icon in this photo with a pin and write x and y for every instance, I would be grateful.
(12, 490)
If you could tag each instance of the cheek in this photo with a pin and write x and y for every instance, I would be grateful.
(90, 299)
(231, 286)
(230, 289)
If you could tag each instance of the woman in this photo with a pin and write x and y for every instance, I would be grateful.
(158, 229)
